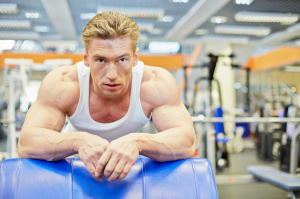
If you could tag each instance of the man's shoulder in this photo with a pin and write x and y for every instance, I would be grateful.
(158, 76)
(62, 75)
(158, 85)
(154, 73)
(60, 84)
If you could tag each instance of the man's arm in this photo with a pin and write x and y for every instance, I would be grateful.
(40, 136)
(176, 136)
(43, 122)
(175, 140)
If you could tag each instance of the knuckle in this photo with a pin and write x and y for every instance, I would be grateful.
(126, 170)
(118, 171)
(100, 164)
(108, 171)
(125, 173)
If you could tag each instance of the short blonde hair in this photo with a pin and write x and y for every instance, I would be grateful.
(111, 25)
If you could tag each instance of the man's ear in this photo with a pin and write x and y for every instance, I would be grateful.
(136, 57)
(85, 57)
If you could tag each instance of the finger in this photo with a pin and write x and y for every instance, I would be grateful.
(110, 166)
(117, 171)
(102, 163)
(126, 170)
(90, 167)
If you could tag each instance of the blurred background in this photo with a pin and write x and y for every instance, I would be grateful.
(234, 60)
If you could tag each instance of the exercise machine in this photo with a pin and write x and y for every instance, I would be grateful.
(70, 178)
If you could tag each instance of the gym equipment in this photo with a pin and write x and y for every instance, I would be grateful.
(294, 139)
(278, 178)
(69, 178)
(220, 153)
(17, 79)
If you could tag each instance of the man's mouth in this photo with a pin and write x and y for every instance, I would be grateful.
(111, 86)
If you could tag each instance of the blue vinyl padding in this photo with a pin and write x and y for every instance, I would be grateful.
(273, 176)
(69, 178)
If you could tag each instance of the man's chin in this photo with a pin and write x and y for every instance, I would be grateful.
(111, 94)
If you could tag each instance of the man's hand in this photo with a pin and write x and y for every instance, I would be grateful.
(90, 149)
(119, 157)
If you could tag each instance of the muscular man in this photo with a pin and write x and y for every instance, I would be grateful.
(107, 99)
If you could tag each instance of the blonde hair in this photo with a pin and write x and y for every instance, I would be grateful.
(111, 25)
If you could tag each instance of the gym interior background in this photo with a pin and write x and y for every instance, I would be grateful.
(237, 63)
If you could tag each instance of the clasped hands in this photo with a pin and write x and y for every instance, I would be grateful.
(112, 160)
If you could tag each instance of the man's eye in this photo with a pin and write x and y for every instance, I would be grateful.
(100, 60)
(122, 60)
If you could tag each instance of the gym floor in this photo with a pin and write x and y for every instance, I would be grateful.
(259, 190)
(238, 166)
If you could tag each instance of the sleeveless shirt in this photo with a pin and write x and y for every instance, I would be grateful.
(133, 120)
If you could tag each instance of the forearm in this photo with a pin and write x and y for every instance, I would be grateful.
(47, 144)
(167, 145)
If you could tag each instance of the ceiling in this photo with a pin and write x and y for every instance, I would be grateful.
(62, 20)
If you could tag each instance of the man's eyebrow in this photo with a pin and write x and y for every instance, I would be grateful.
(100, 56)
(124, 55)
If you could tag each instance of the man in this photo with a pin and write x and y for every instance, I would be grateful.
(108, 98)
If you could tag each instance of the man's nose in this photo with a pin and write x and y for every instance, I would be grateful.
(112, 72)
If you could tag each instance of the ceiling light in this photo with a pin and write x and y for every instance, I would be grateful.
(8, 8)
(180, 1)
(243, 30)
(163, 47)
(6, 44)
(157, 31)
(225, 39)
(136, 12)
(145, 27)
(166, 19)
(10, 35)
(201, 32)
(15, 24)
(269, 17)
(41, 28)
(87, 15)
(218, 19)
(32, 15)
(243, 2)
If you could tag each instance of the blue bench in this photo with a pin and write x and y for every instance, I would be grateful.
(275, 177)
(69, 178)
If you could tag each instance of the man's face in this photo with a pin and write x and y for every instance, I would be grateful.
(111, 63)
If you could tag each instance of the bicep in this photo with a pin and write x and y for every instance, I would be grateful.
(49, 110)
(171, 116)
(44, 115)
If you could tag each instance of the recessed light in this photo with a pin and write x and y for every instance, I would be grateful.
(15, 24)
(267, 17)
(157, 31)
(87, 15)
(32, 15)
(8, 8)
(243, 2)
(41, 28)
(218, 19)
(201, 32)
(180, 1)
(243, 30)
(166, 19)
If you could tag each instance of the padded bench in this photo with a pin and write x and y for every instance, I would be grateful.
(69, 178)
(275, 177)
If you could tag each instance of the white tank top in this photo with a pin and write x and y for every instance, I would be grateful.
(133, 121)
